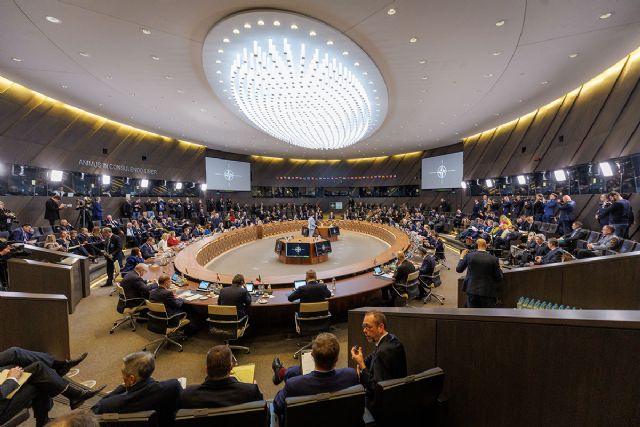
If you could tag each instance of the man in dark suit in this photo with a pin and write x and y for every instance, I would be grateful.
(570, 240)
(164, 295)
(112, 253)
(23, 234)
(45, 382)
(483, 275)
(52, 210)
(237, 295)
(620, 214)
(567, 208)
(554, 255)
(147, 250)
(403, 269)
(140, 392)
(388, 360)
(219, 389)
(135, 288)
(325, 378)
(313, 291)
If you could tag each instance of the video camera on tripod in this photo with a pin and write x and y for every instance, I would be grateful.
(83, 203)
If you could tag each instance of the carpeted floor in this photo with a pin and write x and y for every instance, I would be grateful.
(351, 248)
(94, 315)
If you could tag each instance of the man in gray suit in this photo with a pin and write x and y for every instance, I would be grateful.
(483, 275)
(608, 241)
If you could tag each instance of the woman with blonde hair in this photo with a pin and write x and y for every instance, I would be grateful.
(50, 243)
(163, 245)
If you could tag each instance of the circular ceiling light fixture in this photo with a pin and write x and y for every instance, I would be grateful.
(296, 87)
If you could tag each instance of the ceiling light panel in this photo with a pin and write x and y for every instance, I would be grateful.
(295, 86)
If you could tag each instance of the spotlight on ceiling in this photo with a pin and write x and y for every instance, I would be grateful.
(560, 175)
(606, 169)
(55, 176)
(489, 182)
(463, 185)
(144, 183)
(53, 19)
(281, 79)
(391, 11)
(522, 180)
(178, 186)
(203, 187)
(106, 180)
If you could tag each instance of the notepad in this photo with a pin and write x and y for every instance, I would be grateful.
(23, 379)
(193, 297)
(244, 373)
(307, 362)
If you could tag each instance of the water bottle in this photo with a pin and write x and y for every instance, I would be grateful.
(536, 305)
(333, 285)
(519, 303)
(555, 307)
(562, 307)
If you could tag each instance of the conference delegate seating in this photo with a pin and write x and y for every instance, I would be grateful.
(343, 408)
(133, 419)
(224, 324)
(313, 318)
(169, 327)
(247, 414)
(17, 419)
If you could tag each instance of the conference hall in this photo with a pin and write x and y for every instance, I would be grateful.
(319, 212)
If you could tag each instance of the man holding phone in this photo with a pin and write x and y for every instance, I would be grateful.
(388, 360)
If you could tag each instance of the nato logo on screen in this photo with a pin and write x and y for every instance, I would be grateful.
(442, 171)
(228, 175)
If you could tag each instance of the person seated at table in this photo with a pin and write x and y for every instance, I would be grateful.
(64, 226)
(51, 243)
(135, 286)
(172, 240)
(219, 388)
(325, 378)
(174, 304)
(76, 246)
(132, 260)
(237, 295)
(554, 255)
(24, 234)
(147, 249)
(163, 245)
(186, 234)
(313, 291)
(608, 241)
(140, 392)
(570, 240)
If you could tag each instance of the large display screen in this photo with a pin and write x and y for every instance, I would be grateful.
(442, 171)
(322, 248)
(228, 175)
(298, 250)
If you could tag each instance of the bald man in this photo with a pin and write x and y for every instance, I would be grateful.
(483, 275)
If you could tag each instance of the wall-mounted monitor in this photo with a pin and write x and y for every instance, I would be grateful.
(442, 171)
(228, 175)
(298, 250)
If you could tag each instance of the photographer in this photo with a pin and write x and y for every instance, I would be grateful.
(52, 209)
(6, 218)
(83, 206)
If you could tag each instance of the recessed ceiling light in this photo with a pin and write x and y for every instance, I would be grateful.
(294, 27)
(364, 73)
(391, 11)
(145, 31)
(276, 23)
(345, 53)
(500, 23)
(225, 40)
(218, 61)
(424, 77)
(218, 72)
(236, 31)
(220, 81)
(330, 43)
(356, 64)
(544, 82)
(53, 20)
(488, 76)
(422, 61)
(168, 77)
(109, 77)
(84, 54)
(132, 94)
(573, 55)
(64, 86)
(496, 53)
(312, 33)
(247, 26)
(260, 22)
(203, 110)
(413, 39)
(496, 114)
(155, 58)
(180, 91)
(606, 15)
(519, 100)
(16, 59)
(220, 50)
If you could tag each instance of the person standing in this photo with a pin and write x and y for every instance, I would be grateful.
(550, 208)
(620, 214)
(112, 253)
(311, 225)
(96, 209)
(567, 210)
(482, 278)
(603, 219)
(388, 360)
(52, 210)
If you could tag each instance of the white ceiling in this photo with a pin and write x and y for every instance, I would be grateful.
(457, 38)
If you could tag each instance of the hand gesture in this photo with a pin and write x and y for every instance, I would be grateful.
(464, 253)
(15, 372)
(357, 356)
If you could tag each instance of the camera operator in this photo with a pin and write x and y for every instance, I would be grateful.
(6, 218)
(52, 209)
(83, 206)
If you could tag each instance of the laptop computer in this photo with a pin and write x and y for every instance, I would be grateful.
(177, 279)
(249, 286)
(299, 283)
(377, 271)
(203, 286)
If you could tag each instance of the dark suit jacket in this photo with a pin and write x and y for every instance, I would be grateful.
(115, 247)
(147, 251)
(51, 210)
(552, 257)
(428, 265)
(387, 362)
(313, 383)
(403, 271)
(166, 297)
(235, 295)
(19, 235)
(147, 395)
(483, 273)
(311, 292)
(134, 287)
(219, 394)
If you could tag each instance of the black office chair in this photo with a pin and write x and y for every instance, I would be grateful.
(17, 419)
(313, 318)
(405, 292)
(626, 246)
(224, 323)
(406, 401)
(429, 283)
(246, 414)
(344, 408)
(169, 327)
(131, 310)
(134, 419)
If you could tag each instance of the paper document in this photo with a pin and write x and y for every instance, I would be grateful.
(23, 379)
(244, 373)
(307, 363)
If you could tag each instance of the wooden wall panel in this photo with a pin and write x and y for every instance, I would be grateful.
(472, 160)
(495, 148)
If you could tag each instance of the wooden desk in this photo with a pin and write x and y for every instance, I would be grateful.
(328, 232)
(305, 245)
